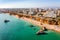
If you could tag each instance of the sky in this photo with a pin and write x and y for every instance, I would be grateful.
(29, 3)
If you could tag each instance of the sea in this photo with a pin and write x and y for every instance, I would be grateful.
(18, 29)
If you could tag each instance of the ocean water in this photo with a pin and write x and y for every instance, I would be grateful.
(18, 29)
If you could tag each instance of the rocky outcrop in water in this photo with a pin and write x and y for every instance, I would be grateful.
(6, 21)
(41, 32)
(45, 29)
(31, 25)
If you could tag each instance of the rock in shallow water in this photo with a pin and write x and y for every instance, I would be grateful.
(6, 21)
(31, 25)
(45, 29)
(41, 32)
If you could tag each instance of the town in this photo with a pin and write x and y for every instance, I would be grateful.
(48, 15)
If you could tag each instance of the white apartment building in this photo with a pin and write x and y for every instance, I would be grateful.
(50, 14)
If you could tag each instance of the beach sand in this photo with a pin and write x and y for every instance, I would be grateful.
(50, 27)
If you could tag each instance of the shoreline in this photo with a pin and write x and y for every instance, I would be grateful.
(37, 23)
(41, 25)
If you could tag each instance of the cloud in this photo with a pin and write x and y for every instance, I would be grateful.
(29, 4)
(18, 5)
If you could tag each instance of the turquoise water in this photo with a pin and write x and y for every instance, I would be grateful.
(18, 29)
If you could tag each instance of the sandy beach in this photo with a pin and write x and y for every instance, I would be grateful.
(50, 27)
(41, 25)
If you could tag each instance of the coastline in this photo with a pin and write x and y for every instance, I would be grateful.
(50, 27)
(41, 25)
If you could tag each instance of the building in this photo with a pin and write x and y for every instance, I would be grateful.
(50, 14)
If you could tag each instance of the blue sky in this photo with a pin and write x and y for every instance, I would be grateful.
(29, 3)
